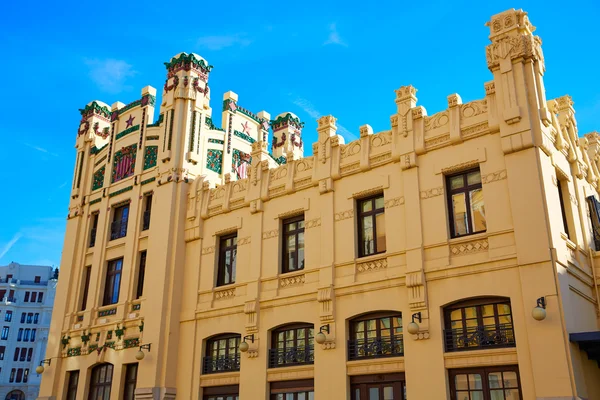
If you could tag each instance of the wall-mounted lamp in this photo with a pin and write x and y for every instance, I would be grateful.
(140, 354)
(320, 338)
(40, 368)
(539, 311)
(244, 346)
(413, 327)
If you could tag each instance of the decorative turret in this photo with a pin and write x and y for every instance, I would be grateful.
(287, 136)
(187, 76)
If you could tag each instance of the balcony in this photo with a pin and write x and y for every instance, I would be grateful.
(92, 237)
(389, 346)
(479, 337)
(212, 365)
(146, 220)
(291, 356)
(118, 229)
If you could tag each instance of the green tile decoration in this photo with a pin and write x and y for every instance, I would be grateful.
(98, 180)
(214, 160)
(150, 156)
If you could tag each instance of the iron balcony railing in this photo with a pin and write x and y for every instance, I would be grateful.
(477, 337)
(146, 220)
(211, 365)
(291, 356)
(92, 237)
(388, 346)
(118, 229)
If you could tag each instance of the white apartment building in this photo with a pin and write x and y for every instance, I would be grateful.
(26, 299)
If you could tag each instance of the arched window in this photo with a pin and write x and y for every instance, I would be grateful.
(479, 323)
(292, 345)
(101, 382)
(15, 395)
(376, 335)
(222, 354)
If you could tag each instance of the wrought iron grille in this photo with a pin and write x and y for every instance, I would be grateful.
(487, 336)
(118, 229)
(211, 365)
(291, 356)
(146, 220)
(389, 346)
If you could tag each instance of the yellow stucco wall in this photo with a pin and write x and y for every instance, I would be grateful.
(523, 145)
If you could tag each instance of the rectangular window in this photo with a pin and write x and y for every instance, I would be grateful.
(23, 315)
(19, 375)
(118, 228)
(26, 335)
(487, 383)
(293, 244)
(11, 296)
(9, 277)
(29, 318)
(465, 203)
(130, 381)
(381, 386)
(16, 355)
(86, 286)
(33, 335)
(12, 375)
(26, 299)
(29, 354)
(230, 392)
(23, 355)
(19, 335)
(371, 226)
(8, 316)
(147, 211)
(2, 294)
(113, 282)
(25, 375)
(563, 211)
(36, 318)
(72, 386)
(227, 259)
(40, 296)
(93, 229)
(2, 350)
(5, 331)
(293, 390)
(37, 279)
(141, 275)
(33, 297)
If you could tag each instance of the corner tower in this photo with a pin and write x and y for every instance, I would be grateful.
(287, 136)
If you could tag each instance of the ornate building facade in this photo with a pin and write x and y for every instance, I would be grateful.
(450, 256)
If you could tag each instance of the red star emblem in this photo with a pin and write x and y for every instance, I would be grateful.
(246, 128)
(130, 121)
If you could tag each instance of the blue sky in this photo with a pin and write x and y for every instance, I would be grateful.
(311, 58)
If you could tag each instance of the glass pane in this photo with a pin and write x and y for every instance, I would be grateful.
(379, 202)
(357, 394)
(474, 178)
(311, 395)
(456, 315)
(456, 182)
(495, 380)
(475, 382)
(462, 395)
(470, 312)
(477, 210)
(388, 393)
(301, 250)
(374, 393)
(496, 395)
(367, 235)
(477, 396)
(366, 205)
(380, 223)
(291, 226)
(459, 211)
(503, 309)
(302, 396)
(460, 382)
(510, 379)
(300, 224)
(233, 265)
(289, 396)
(487, 310)
(512, 394)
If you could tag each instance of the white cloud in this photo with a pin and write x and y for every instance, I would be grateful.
(110, 75)
(223, 41)
(10, 244)
(41, 149)
(310, 109)
(334, 37)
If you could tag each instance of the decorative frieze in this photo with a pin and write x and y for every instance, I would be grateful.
(208, 250)
(394, 202)
(494, 176)
(244, 241)
(312, 223)
(225, 294)
(372, 265)
(475, 246)
(292, 281)
(118, 192)
(344, 215)
(270, 234)
(426, 194)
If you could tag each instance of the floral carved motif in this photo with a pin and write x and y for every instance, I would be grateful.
(437, 120)
(292, 281)
(381, 139)
(461, 249)
(245, 240)
(396, 201)
(344, 215)
(208, 250)
(351, 149)
(312, 223)
(473, 108)
(426, 194)
(270, 234)
(372, 265)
